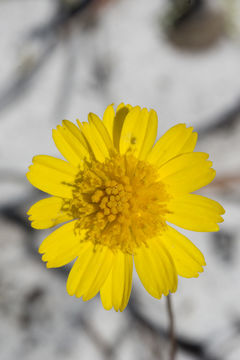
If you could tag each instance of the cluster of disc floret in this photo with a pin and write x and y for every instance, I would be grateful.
(119, 203)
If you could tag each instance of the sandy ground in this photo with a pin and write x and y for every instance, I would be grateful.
(123, 56)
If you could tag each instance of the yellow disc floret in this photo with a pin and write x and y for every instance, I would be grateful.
(119, 203)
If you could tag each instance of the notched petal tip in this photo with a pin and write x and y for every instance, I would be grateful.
(91, 115)
(222, 211)
(28, 174)
(42, 249)
(35, 225)
(66, 122)
(49, 265)
(46, 261)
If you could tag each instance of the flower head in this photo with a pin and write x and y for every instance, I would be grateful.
(117, 193)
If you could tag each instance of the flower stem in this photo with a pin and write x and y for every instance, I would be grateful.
(172, 339)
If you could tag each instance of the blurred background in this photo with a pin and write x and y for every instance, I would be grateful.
(61, 59)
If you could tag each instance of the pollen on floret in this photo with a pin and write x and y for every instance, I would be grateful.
(96, 197)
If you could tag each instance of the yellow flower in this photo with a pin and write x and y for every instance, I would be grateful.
(117, 192)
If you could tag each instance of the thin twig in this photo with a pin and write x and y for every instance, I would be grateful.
(20, 82)
(63, 15)
(197, 349)
(172, 338)
(50, 33)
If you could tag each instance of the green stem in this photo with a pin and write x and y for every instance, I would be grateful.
(172, 339)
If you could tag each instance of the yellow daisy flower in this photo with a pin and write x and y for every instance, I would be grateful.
(117, 192)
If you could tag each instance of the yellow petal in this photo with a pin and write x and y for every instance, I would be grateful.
(133, 131)
(106, 292)
(94, 141)
(48, 212)
(70, 142)
(191, 142)
(139, 132)
(186, 173)
(108, 120)
(61, 246)
(121, 113)
(89, 271)
(175, 141)
(79, 266)
(187, 257)
(101, 133)
(123, 106)
(156, 269)
(117, 288)
(150, 135)
(195, 212)
(52, 175)
(74, 130)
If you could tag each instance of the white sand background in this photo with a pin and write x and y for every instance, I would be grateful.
(125, 57)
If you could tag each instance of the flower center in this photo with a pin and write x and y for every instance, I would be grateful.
(113, 200)
(119, 203)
